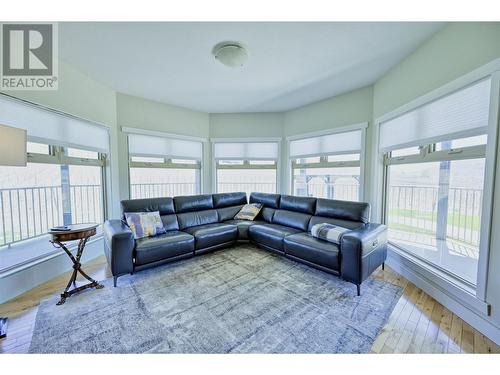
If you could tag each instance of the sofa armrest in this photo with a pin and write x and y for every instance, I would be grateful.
(119, 246)
(362, 251)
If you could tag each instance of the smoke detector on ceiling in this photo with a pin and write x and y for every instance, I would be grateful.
(232, 54)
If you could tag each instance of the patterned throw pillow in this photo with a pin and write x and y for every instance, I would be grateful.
(249, 211)
(328, 232)
(145, 224)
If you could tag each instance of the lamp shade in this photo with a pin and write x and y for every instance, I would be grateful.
(12, 146)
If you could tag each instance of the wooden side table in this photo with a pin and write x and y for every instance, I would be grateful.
(80, 232)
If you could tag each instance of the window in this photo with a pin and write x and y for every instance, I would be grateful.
(333, 173)
(246, 166)
(434, 197)
(164, 167)
(63, 182)
(49, 191)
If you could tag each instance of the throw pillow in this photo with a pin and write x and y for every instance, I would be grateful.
(328, 232)
(145, 224)
(249, 211)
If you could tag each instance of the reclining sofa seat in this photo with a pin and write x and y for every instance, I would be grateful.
(202, 223)
(198, 217)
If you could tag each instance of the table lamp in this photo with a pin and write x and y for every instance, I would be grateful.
(12, 153)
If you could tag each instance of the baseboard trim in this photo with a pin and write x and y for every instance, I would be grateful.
(472, 316)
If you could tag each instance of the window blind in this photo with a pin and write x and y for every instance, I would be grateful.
(46, 126)
(170, 148)
(339, 143)
(246, 150)
(461, 114)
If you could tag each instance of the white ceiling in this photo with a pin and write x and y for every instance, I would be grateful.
(289, 64)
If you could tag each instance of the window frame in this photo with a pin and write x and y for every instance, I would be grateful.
(57, 156)
(166, 164)
(167, 161)
(428, 154)
(476, 296)
(324, 163)
(246, 162)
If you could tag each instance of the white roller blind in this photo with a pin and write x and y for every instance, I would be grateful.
(170, 148)
(460, 114)
(339, 143)
(50, 127)
(246, 150)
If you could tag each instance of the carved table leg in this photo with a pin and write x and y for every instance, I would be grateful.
(76, 269)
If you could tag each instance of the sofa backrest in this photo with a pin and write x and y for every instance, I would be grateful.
(270, 203)
(295, 212)
(346, 214)
(164, 205)
(229, 204)
(193, 210)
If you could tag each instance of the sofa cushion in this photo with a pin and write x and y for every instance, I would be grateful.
(228, 213)
(270, 234)
(229, 199)
(343, 210)
(213, 234)
(292, 219)
(165, 206)
(249, 211)
(266, 214)
(164, 246)
(305, 205)
(193, 203)
(328, 232)
(196, 218)
(144, 224)
(268, 200)
(243, 226)
(306, 247)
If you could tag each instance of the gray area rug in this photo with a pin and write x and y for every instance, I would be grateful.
(239, 300)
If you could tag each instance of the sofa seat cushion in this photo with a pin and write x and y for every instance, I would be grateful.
(213, 234)
(164, 246)
(243, 226)
(311, 249)
(271, 235)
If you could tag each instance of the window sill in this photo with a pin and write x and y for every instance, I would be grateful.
(18, 262)
(442, 282)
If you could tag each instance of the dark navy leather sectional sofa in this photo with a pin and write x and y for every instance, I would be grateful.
(198, 224)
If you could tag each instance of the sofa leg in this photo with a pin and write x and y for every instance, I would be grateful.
(383, 266)
(114, 280)
(358, 287)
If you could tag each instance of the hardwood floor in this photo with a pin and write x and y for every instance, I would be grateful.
(418, 324)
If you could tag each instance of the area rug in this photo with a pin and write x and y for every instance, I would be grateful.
(238, 300)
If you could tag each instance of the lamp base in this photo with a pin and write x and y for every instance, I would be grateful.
(3, 328)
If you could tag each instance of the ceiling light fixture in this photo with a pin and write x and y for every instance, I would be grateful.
(231, 54)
